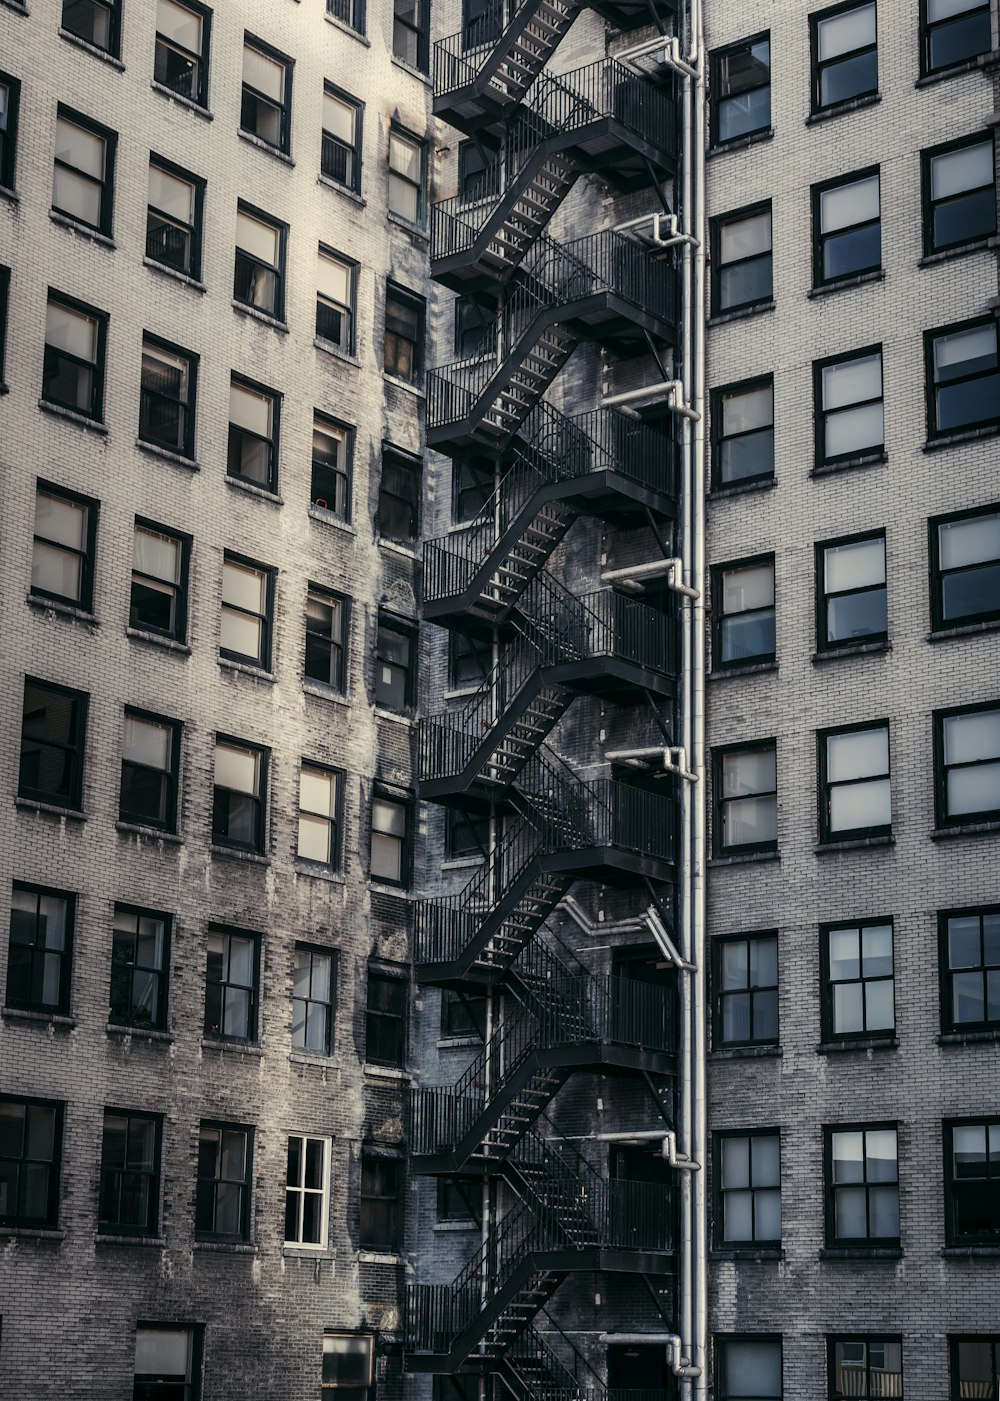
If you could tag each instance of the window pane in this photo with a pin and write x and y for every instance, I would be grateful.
(848, 1009)
(765, 1158)
(735, 1162)
(945, 9)
(855, 566)
(744, 237)
(842, 33)
(338, 118)
(845, 205)
(852, 381)
(974, 789)
(763, 962)
(71, 331)
(971, 737)
(180, 24)
(749, 771)
(973, 541)
(749, 409)
(171, 195)
(261, 240)
(163, 1353)
(250, 410)
(752, 1369)
(404, 157)
(265, 74)
(844, 954)
(857, 755)
(236, 769)
(876, 949)
(157, 555)
(317, 791)
(880, 1015)
(963, 352)
(855, 805)
(147, 743)
(244, 587)
(335, 279)
(751, 820)
(967, 169)
(748, 588)
(734, 965)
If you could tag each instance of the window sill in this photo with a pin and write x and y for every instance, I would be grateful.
(862, 1045)
(415, 389)
(856, 649)
(241, 1048)
(970, 1252)
(955, 70)
(965, 630)
(139, 1033)
(746, 1053)
(313, 1058)
(416, 230)
(5, 191)
(93, 425)
(379, 1257)
(419, 73)
(15, 5)
(50, 809)
(52, 1019)
(742, 858)
(63, 610)
(751, 669)
(255, 673)
(860, 279)
(155, 833)
(387, 1072)
(226, 1247)
(988, 1036)
(861, 1252)
(854, 104)
(165, 455)
(830, 469)
(461, 692)
(960, 250)
(320, 513)
(331, 184)
(967, 435)
(92, 49)
(174, 274)
(265, 317)
(450, 1226)
(154, 639)
(77, 226)
(969, 829)
(457, 1043)
(346, 29)
(461, 863)
(323, 692)
(147, 1242)
(336, 352)
(747, 1254)
(741, 488)
(397, 719)
(395, 547)
(253, 140)
(251, 489)
(740, 143)
(318, 871)
(232, 853)
(31, 1232)
(384, 887)
(740, 313)
(308, 1252)
(183, 101)
(854, 844)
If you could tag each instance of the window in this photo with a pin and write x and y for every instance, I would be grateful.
(743, 432)
(862, 1199)
(845, 55)
(174, 217)
(348, 1358)
(409, 32)
(167, 1362)
(466, 834)
(181, 62)
(849, 411)
(381, 1181)
(351, 13)
(231, 977)
(73, 368)
(83, 175)
(62, 557)
(10, 91)
(39, 959)
(743, 614)
(53, 729)
(855, 797)
(741, 88)
(390, 846)
(463, 1014)
(858, 988)
(478, 173)
(472, 324)
(326, 638)
(404, 333)
(851, 595)
(746, 982)
(313, 999)
(869, 1368)
(335, 300)
(970, 963)
(158, 600)
(4, 295)
(748, 1171)
(398, 515)
(341, 151)
(247, 608)
(260, 262)
(963, 378)
(459, 1199)
(975, 1367)
(150, 764)
(746, 804)
(748, 1368)
(238, 808)
(129, 1201)
(140, 962)
(395, 658)
(960, 204)
(385, 1018)
(222, 1209)
(406, 176)
(470, 661)
(741, 257)
(253, 433)
(330, 487)
(954, 32)
(473, 482)
(266, 107)
(967, 745)
(30, 1150)
(95, 21)
(847, 229)
(972, 1175)
(307, 1191)
(166, 398)
(319, 814)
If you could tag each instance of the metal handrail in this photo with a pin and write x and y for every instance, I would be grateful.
(460, 58)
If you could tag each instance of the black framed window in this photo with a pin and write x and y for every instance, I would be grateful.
(967, 763)
(326, 638)
(150, 769)
(478, 172)
(381, 1201)
(862, 1185)
(855, 790)
(743, 613)
(856, 963)
(849, 407)
(167, 396)
(349, 12)
(404, 333)
(470, 661)
(471, 326)
(960, 198)
(395, 662)
(459, 1199)
(247, 611)
(741, 89)
(320, 800)
(844, 54)
(340, 159)
(743, 433)
(259, 278)
(182, 39)
(963, 377)
(10, 94)
(30, 1160)
(746, 799)
(254, 415)
(240, 795)
(222, 1207)
(748, 1368)
(330, 483)
(167, 1362)
(174, 213)
(307, 1191)
(140, 968)
(972, 1178)
(851, 601)
(96, 22)
(385, 1018)
(463, 1014)
(954, 31)
(748, 1197)
(847, 228)
(40, 954)
(466, 834)
(741, 257)
(53, 731)
(865, 1367)
(4, 298)
(129, 1199)
(158, 597)
(348, 1358)
(73, 367)
(398, 515)
(390, 855)
(975, 1366)
(745, 976)
(970, 969)
(232, 976)
(407, 155)
(62, 556)
(473, 482)
(314, 986)
(409, 32)
(335, 299)
(84, 170)
(266, 104)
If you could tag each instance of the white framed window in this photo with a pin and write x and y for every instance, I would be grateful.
(307, 1191)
